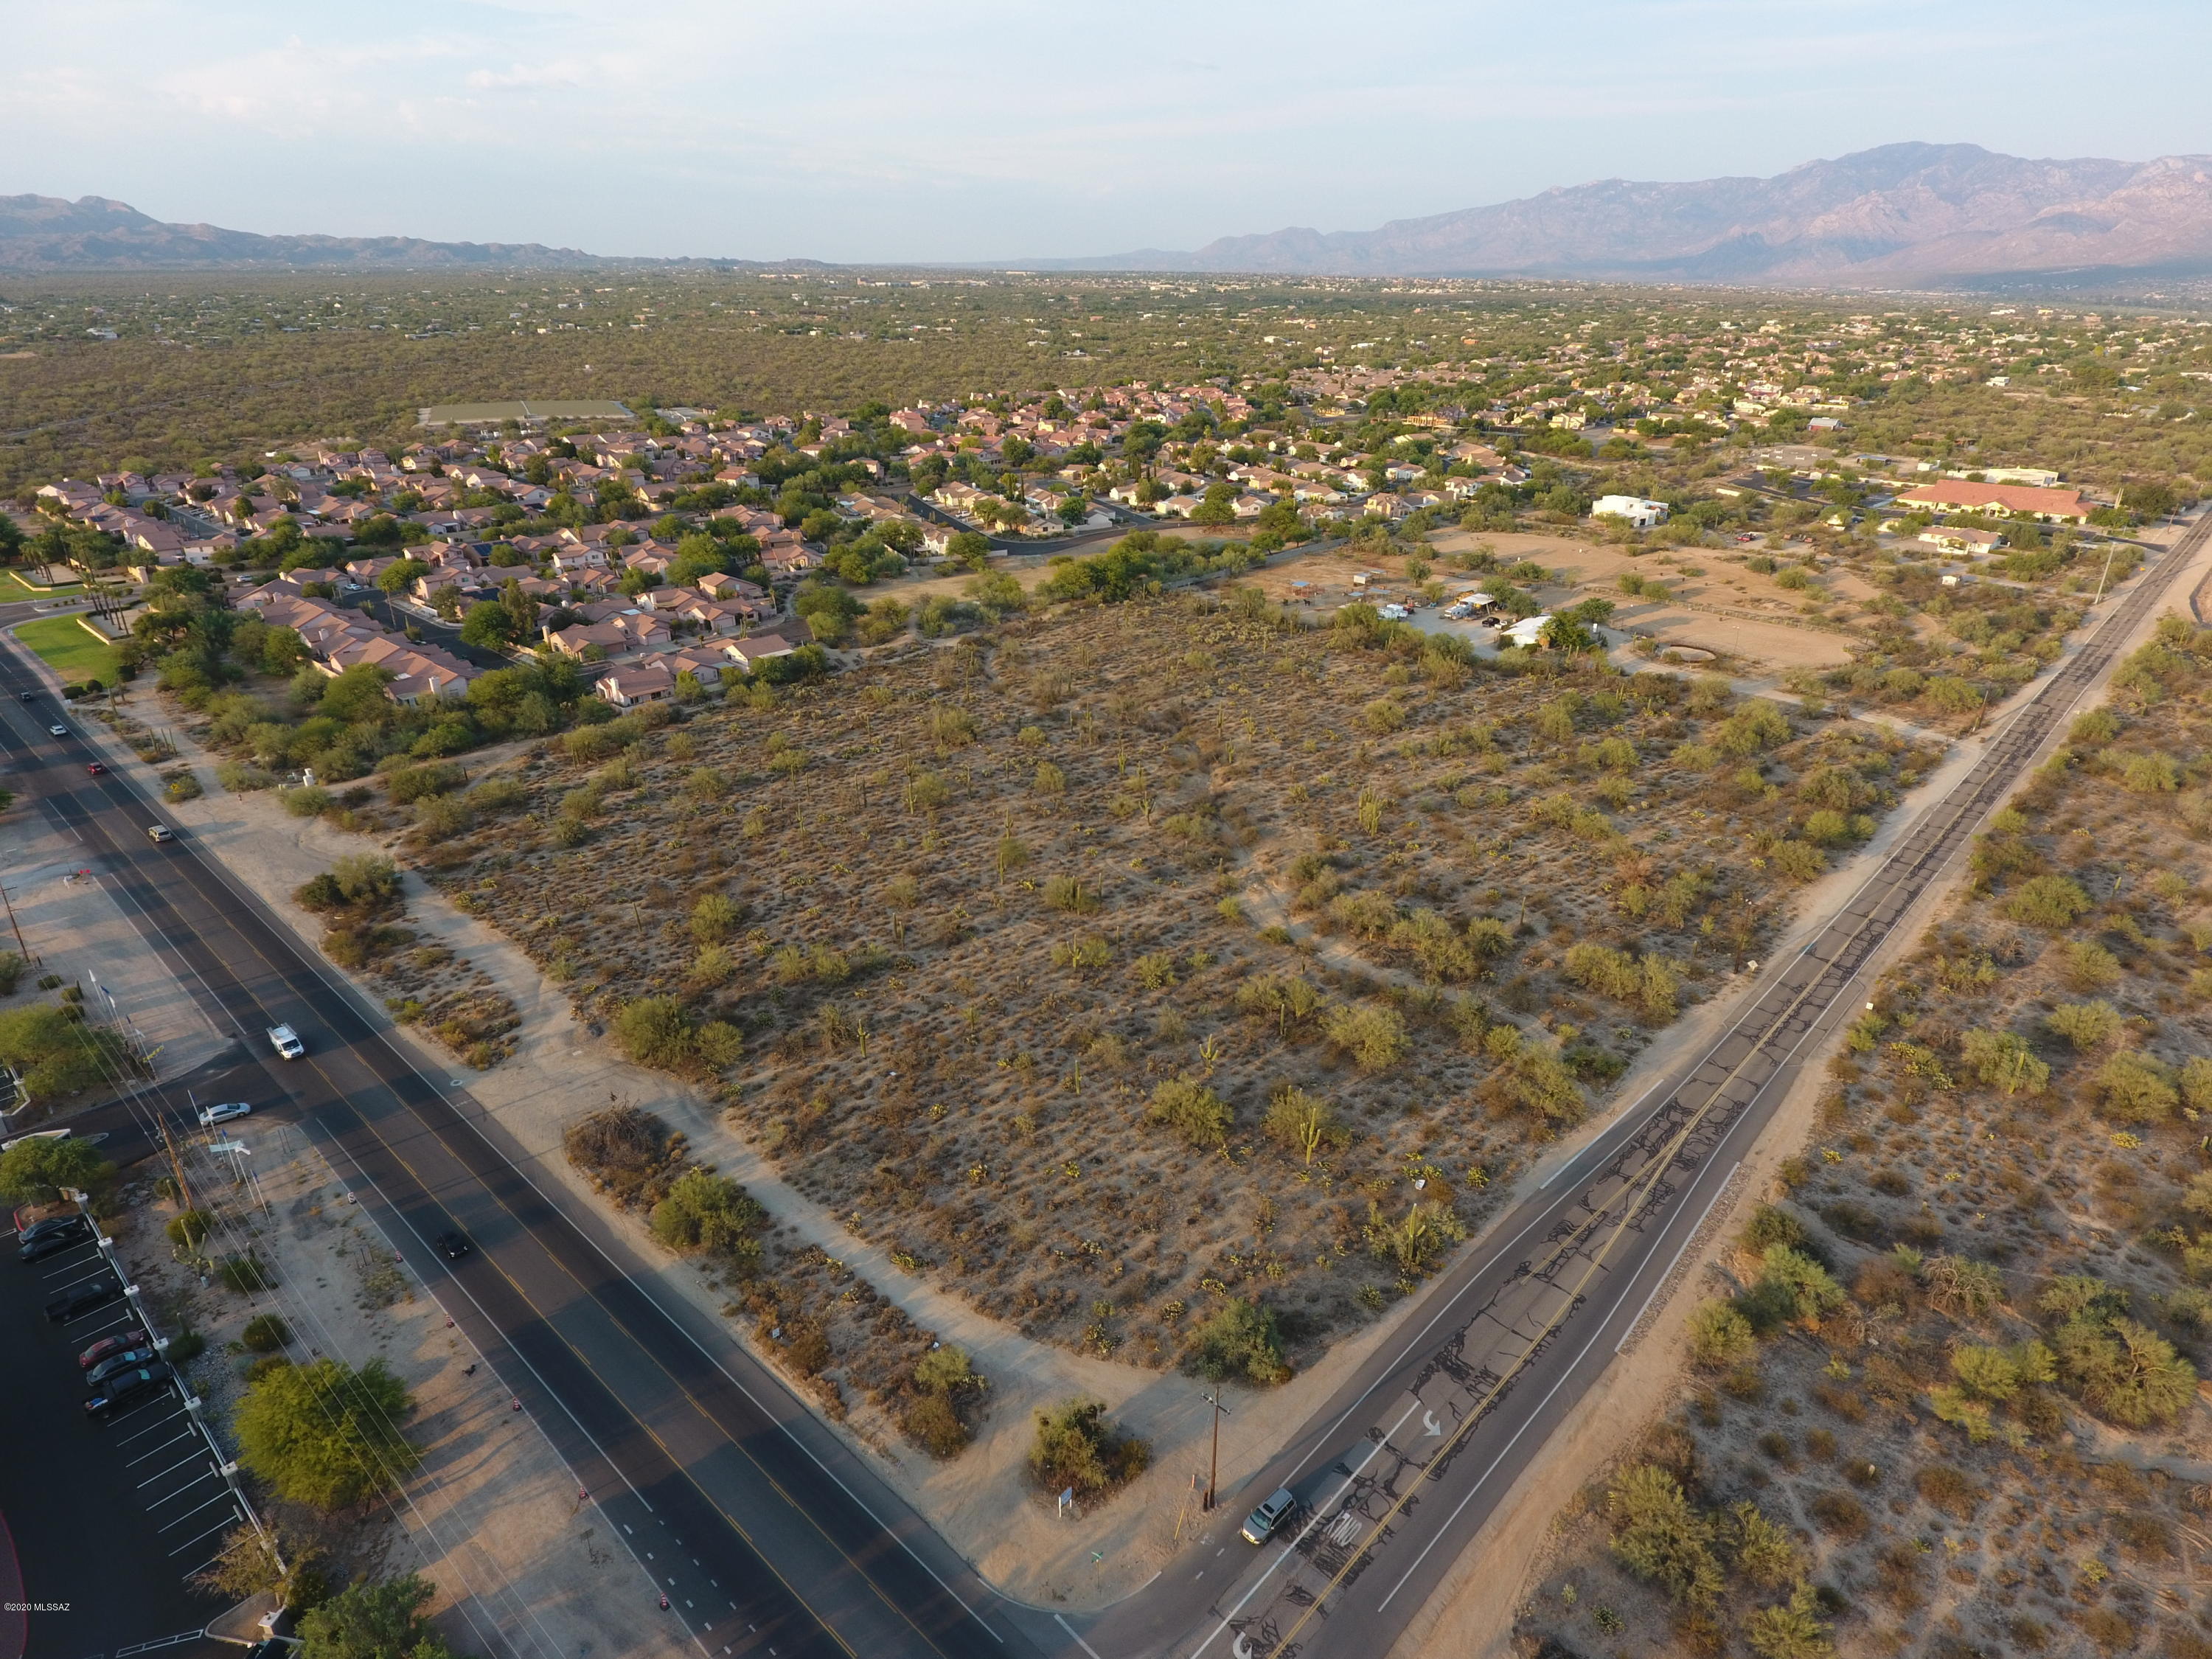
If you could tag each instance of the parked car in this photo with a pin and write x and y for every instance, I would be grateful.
(452, 1246)
(286, 1041)
(1260, 1525)
(211, 1115)
(107, 1348)
(39, 1248)
(129, 1359)
(127, 1388)
(53, 1224)
(86, 1298)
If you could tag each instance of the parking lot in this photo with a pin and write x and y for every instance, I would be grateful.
(109, 1520)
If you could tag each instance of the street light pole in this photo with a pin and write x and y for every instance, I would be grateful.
(1213, 1463)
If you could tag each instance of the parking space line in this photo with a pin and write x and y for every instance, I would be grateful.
(121, 1316)
(222, 1496)
(64, 1264)
(172, 1469)
(149, 1429)
(193, 1543)
(142, 1456)
(124, 1417)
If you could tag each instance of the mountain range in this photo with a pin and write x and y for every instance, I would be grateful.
(1909, 215)
(1897, 215)
(47, 232)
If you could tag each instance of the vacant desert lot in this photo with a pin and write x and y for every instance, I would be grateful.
(1111, 968)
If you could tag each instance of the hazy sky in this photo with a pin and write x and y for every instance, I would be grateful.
(989, 129)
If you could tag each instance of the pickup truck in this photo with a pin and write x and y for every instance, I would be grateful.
(286, 1041)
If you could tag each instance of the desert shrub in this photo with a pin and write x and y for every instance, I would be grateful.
(2085, 1024)
(1076, 1447)
(240, 777)
(714, 917)
(1192, 1110)
(710, 1214)
(500, 794)
(2001, 1059)
(1811, 1291)
(1648, 984)
(1765, 1552)
(309, 802)
(2048, 902)
(1771, 1224)
(1240, 1341)
(1374, 1036)
(183, 784)
(1155, 970)
(1720, 1338)
(1661, 1537)
(413, 783)
(2133, 1088)
(357, 880)
(11, 972)
(2087, 966)
(246, 1274)
(1961, 1286)
(656, 1032)
(1068, 893)
(1289, 1001)
(1415, 1242)
(1302, 1123)
(189, 1230)
(264, 1334)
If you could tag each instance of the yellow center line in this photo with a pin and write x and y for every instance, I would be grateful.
(1631, 1197)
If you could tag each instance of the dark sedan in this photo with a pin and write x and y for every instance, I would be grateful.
(84, 1299)
(37, 1247)
(127, 1388)
(128, 1360)
(452, 1246)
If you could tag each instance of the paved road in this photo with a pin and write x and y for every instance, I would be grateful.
(766, 1535)
(1398, 1474)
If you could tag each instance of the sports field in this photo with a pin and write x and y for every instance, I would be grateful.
(71, 650)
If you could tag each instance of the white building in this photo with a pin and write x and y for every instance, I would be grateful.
(1634, 508)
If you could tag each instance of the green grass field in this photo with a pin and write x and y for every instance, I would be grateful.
(74, 654)
(13, 587)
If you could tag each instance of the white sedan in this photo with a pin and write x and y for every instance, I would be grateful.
(211, 1115)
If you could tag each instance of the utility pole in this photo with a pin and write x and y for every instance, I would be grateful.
(22, 949)
(1213, 1464)
(176, 1165)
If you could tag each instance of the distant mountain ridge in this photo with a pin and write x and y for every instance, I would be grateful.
(1896, 215)
(49, 233)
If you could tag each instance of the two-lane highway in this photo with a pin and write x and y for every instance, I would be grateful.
(764, 1534)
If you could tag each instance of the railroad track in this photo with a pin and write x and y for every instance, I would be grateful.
(1593, 1236)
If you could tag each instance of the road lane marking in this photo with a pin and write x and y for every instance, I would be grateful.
(1675, 1259)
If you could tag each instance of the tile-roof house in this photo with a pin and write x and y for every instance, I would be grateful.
(637, 682)
(757, 648)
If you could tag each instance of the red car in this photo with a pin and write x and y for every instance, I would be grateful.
(107, 1348)
(95, 767)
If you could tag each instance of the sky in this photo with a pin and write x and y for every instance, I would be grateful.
(994, 131)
